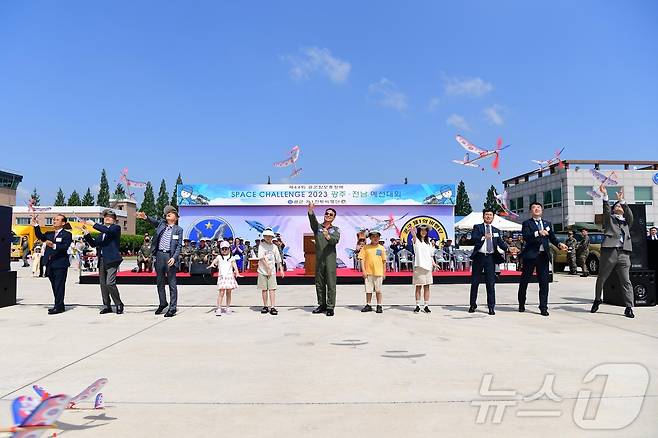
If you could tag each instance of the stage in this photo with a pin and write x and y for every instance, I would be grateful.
(297, 276)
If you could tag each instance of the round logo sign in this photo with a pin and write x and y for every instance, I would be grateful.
(655, 178)
(437, 230)
(210, 228)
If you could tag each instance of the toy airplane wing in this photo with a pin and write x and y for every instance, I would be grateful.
(294, 155)
(89, 391)
(602, 178)
(469, 146)
(295, 172)
(47, 412)
(539, 161)
(466, 163)
(593, 194)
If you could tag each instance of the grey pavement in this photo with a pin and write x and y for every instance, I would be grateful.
(353, 375)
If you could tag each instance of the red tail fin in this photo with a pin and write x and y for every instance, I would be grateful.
(496, 161)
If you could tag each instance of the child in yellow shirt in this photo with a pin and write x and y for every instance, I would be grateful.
(373, 266)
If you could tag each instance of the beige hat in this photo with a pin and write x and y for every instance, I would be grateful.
(170, 209)
(268, 232)
(224, 244)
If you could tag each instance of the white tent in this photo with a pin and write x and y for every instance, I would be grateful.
(467, 223)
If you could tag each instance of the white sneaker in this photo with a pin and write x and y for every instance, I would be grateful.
(227, 310)
(218, 312)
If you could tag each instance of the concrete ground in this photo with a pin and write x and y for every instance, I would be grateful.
(353, 375)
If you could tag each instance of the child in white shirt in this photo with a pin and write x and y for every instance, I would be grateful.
(226, 282)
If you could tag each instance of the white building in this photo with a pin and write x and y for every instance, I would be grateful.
(563, 192)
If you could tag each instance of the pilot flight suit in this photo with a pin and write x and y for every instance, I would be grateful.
(325, 264)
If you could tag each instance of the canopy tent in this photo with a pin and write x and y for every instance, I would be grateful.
(475, 218)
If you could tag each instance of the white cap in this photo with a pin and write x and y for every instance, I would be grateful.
(268, 232)
(224, 244)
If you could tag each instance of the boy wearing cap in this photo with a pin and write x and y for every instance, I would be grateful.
(109, 258)
(269, 258)
(373, 266)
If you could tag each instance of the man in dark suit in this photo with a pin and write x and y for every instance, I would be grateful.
(109, 258)
(166, 246)
(485, 256)
(653, 234)
(56, 258)
(616, 250)
(537, 234)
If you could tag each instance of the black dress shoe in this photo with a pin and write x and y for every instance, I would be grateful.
(595, 306)
(55, 311)
(491, 311)
(170, 313)
(628, 313)
(319, 309)
(119, 309)
(521, 308)
(472, 309)
(379, 309)
(544, 312)
(160, 309)
(106, 310)
(330, 312)
(367, 308)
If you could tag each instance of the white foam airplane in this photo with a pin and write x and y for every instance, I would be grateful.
(544, 164)
(480, 153)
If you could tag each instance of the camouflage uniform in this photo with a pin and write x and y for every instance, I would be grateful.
(571, 243)
(144, 258)
(582, 252)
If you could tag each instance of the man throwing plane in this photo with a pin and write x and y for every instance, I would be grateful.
(326, 239)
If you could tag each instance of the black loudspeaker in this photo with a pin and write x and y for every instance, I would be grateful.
(199, 269)
(5, 238)
(644, 288)
(7, 288)
(639, 236)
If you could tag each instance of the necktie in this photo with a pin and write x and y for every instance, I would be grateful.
(489, 240)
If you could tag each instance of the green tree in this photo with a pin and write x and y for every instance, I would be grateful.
(148, 207)
(88, 198)
(60, 199)
(163, 198)
(36, 199)
(462, 204)
(491, 203)
(174, 195)
(119, 193)
(74, 199)
(103, 198)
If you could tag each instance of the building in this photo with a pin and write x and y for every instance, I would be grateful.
(125, 210)
(8, 185)
(563, 191)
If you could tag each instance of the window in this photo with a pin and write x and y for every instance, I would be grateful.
(612, 194)
(580, 195)
(49, 221)
(532, 198)
(519, 205)
(644, 195)
(22, 221)
(553, 198)
(512, 204)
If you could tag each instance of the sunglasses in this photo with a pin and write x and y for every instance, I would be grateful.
(225, 249)
(329, 213)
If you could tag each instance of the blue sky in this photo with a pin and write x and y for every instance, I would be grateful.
(371, 91)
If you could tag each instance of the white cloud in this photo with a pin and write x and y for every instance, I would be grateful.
(433, 104)
(474, 87)
(316, 59)
(387, 95)
(458, 122)
(494, 114)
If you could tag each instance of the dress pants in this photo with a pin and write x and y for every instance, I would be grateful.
(620, 261)
(483, 261)
(166, 275)
(57, 277)
(529, 265)
(107, 274)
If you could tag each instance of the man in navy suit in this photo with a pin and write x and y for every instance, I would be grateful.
(537, 234)
(485, 256)
(166, 246)
(109, 258)
(56, 257)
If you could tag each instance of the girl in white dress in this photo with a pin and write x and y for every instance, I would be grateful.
(423, 264)
(226, 282)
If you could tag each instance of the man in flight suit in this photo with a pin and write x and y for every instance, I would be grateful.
(326, 239)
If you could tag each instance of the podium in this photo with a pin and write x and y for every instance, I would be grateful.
(309, 254)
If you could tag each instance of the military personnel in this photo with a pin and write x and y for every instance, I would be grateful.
(145, 256)
(326, 239)
(582, 252)
(186, 255)
(519, 244)
(571, 243)
(247, 255)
